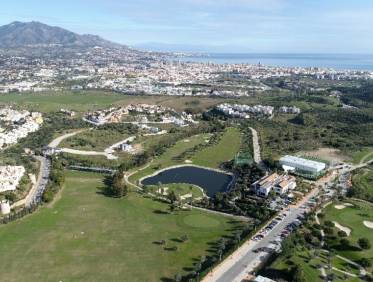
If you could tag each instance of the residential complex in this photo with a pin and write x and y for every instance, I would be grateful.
(244, 111)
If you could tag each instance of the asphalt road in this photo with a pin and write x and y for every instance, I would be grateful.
(250, 259)
(41, 183)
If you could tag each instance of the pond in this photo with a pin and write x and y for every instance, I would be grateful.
(209, 180)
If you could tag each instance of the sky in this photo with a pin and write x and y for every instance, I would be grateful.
(237, 26)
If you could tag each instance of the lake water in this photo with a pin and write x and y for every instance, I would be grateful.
(209, 180)
(335, 61)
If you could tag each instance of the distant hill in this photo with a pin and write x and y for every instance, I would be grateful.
(21, 34)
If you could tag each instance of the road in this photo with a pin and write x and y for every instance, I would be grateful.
(244, 260)
(37, 191)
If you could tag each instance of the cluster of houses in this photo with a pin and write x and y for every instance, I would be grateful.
(19, 124)
(289, 110)
(244, 111)
(114, 115)
(68, 112)
(10, 176)
(279, 184)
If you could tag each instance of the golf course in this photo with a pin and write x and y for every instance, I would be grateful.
(86, 236)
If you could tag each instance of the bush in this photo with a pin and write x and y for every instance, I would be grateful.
(364, 262)
(341, 233)
(364, 243)
(344, 242)
(48, 196)
(328, 223)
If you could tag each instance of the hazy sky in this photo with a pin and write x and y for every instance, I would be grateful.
(331, 26)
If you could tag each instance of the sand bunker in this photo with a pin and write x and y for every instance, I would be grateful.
(188, 161)
(368, 224)
(342, 206)
(183, 197)
(343, 228)
(163, 191)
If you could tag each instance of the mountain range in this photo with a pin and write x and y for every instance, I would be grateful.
(21, 34)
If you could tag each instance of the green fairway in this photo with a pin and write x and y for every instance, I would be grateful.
(225, 150)
(86, 236)
(353, 218)
(169, 158)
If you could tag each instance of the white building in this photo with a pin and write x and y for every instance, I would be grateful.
(10, 176)
(4, 207)
(280, 184)
(296, 163)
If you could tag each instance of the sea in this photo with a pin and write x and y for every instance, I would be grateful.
(334, 61)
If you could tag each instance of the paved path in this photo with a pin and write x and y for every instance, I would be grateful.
(56, 142)
(256, 146)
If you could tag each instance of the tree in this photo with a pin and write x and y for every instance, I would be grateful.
(364, 243)
(178, 277)
(118, 187)
(298, 274)
(329, 224)
(329, 231)
(184, 238)
(10, 196)
(342, 234)
(364, 262)
(172, 197)
(344, 242)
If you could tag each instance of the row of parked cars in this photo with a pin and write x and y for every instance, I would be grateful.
(269, 227)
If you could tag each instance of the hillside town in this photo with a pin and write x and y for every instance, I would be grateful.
(132, 72)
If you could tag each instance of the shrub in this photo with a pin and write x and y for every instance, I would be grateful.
(364, 243)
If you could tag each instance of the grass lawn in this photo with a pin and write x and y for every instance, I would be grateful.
(364, 155)
(86, 236)
(353, 217)
(90, 100)
(180, 189)
(224, 150)
(94, 140)
(169, 157)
